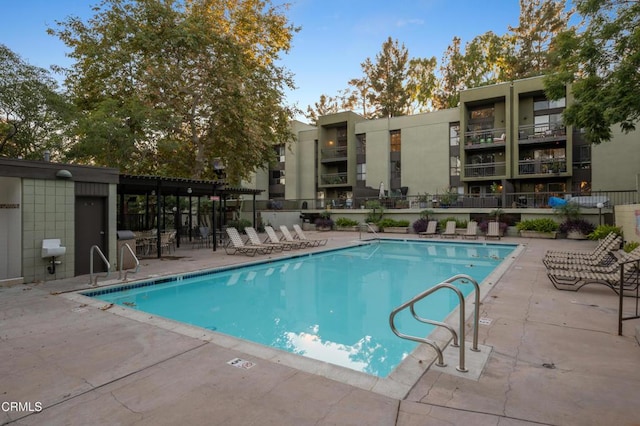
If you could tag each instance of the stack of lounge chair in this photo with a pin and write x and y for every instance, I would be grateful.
(605, 265)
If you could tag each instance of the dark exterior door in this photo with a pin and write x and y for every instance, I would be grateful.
(90, 230)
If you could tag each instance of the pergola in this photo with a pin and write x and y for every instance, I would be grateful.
(217, 191)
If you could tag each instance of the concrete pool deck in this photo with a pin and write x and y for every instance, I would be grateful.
(555, 359)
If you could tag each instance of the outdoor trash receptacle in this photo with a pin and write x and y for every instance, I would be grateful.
(126, 237)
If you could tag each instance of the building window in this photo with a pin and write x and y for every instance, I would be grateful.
(279, 153)
(454, 134)
(454, 165)
(277, 177)
(361, 143)
(396, 170)
(582, 157)
(361, 171)
(395, 140)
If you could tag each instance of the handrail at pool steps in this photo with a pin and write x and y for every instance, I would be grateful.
(448, 283)
(104, 259)
(369, 229)
(135, 258)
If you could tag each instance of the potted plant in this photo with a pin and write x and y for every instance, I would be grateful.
(346, 224)
(396, 226)
(423, 199)
(324, 222)
(602, 231)
(375, 214)
(572, 226)
(448, 198)
(538, 228)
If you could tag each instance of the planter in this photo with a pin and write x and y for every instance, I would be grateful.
(347, 228)
(576, 235)
(323, 228)
(536, 234)
(396, 230)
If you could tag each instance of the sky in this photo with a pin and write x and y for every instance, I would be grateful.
(336, 36)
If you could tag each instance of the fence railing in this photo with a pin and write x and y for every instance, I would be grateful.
(485, 169)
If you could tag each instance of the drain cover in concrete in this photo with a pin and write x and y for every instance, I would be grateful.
(241, 363)
(485, 321)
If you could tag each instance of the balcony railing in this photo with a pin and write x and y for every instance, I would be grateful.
(334, 179)
(542, 132)
(536, 167)
(486, 136)
(334, 152)
(485, 169)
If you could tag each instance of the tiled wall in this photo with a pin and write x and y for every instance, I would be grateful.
(48, 212)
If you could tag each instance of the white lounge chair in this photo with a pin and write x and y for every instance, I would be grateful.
(254, 240)
(472, 230)
(236, 245)
(272, 237)
(432, 226)
(450, 230)
(288, 237)
(493, 231)
(312, 241)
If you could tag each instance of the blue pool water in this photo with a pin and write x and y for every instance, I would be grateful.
(332, 306)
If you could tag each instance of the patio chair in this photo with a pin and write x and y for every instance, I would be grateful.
(493, 230)
(272, 238)
(254, 240)
(621, 276)
(450, 230)
(236, 245)
(288, 237)
(472, 231)
(609, 243)
(603, 256)
(432, 226)
(315, 242)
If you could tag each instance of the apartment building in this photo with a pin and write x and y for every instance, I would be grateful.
(505, 139)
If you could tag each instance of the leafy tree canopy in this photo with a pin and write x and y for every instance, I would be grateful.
(601, 61)
(173, 87)
(33, 115)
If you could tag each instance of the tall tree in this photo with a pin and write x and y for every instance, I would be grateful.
(33, 115)
(540, 22)
(360, 89)
(452, 70)
(326, 105)
(421, 83)
(168, 86)
(388, 76)
(602, 64)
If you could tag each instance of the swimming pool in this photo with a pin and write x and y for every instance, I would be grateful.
(331, 306)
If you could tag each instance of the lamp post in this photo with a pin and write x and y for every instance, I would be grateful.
(600, 206)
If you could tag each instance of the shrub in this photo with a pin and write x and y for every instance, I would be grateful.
(324, 222)
(602, 231)
(577, 225)
(390, 223)
(484, 226)
(442, 223)
(376, 213)
(420, 225)
(538, 225)
(631, 246)
(346, 222)
(239, 224)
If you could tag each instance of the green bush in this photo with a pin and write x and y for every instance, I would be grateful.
(391, 223)
(631, 246)
(239, 224)
(442, 223)
(603, 230)
(538, 225)
(345, 222)
(376, 213)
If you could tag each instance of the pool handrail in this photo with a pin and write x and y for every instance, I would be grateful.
(104, 259)
(444, 284)
(135, 258)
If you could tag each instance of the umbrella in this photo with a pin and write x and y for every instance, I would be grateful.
(381, 194)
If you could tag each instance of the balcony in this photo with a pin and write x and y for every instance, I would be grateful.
(338, 153)
(542, 166)
(485, 170)
(333, 179)
(541, 133)
(485, 138)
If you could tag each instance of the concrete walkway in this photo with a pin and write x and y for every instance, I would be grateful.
(555, 359)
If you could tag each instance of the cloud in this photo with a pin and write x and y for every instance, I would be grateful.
(406, 22)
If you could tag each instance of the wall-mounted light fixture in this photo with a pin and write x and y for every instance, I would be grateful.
(64, 174)
(189, 190)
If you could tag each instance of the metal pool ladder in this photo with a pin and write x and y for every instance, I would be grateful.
(446, 284)
(104, 260)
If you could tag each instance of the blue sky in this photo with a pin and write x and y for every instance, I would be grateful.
(336, 35)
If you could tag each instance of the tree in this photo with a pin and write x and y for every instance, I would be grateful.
(359, 95)
(540, 22)
(326, 105)
(451, 83)
(601, 64)
(33, 115)
(388, 77)
(170, 86)
(421, 83)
